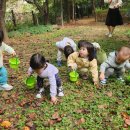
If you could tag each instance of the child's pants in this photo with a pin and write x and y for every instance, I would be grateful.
(59, 55)
(40, 81)
(112, 71)
(3, 76)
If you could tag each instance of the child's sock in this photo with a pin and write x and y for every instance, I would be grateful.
(39, 95)
(60, 91)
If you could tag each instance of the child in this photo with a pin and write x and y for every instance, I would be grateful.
(3, 71)
(67, 46)
(116, 63)
(84, 60)
(43, 69)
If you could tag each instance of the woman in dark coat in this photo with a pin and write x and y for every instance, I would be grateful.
(114, 17)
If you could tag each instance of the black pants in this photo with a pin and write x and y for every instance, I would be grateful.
(40, 81)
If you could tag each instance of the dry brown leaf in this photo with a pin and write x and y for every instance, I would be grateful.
(29, 124)
(80, 121)
(109, 94)
(102, 106)
(125, 115)
(32, 116)
(127, 121)
(51, 122)
(55, 116)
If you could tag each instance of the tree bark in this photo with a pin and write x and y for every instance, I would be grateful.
(94, 10)
(61, 12)
(2, 16)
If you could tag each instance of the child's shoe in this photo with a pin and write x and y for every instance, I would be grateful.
(110, 35)
(103, 82)
(120, 79)
(6, 87)
(60, 92)
(39, 95)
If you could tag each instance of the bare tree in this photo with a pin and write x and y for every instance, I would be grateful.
(2, 16)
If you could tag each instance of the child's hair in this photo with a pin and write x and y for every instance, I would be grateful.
(68, 50)
(123, 53)
(1, 37)
(89, 47)
(37, 61)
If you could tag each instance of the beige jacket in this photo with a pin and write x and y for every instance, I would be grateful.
(75, 61)
(114, 3)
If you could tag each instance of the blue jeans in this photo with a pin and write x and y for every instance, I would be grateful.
(40, 81)
(3, 76)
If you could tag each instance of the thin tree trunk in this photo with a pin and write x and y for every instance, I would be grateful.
(73, 6)
(94, 9)
(2, 16)
(62, 13)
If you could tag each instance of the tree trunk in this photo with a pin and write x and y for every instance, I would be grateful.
(2, 16)
(46, 12)
(68, 10)
(73, 14)
(61, 12)
(94, 10)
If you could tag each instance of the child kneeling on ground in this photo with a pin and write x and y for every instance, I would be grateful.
(116, 63)
(66, 46)
(3, 71)
(84, 61)
(44, 69)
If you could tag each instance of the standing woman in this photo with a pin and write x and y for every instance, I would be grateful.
(114, 17)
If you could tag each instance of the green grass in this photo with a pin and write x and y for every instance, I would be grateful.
(23, 30)
(100, 111)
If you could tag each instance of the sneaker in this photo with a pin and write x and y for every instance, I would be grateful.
(39, 95)
(110, 35)
(103, 82)
(6, 87)
(60, 92)
(121, 79)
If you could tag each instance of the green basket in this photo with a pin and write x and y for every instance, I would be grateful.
(30, 82)
(73, 76)
(14, 63)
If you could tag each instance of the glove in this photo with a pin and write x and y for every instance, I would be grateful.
(59, 63)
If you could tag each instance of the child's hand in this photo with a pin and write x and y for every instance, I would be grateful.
(14, 53)
(102, 76)
(54, 100)
(110, 1)
(29, 73)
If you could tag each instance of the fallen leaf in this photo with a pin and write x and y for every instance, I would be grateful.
(32, 116)
(6, 124)
(80, 121)
(102, 106)
(29, 124)
(109, 94)
(5, 95)
(84, 111)
(125, 115)
(2, 111)
(127, 121)
(51, 122)
(55, 116)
